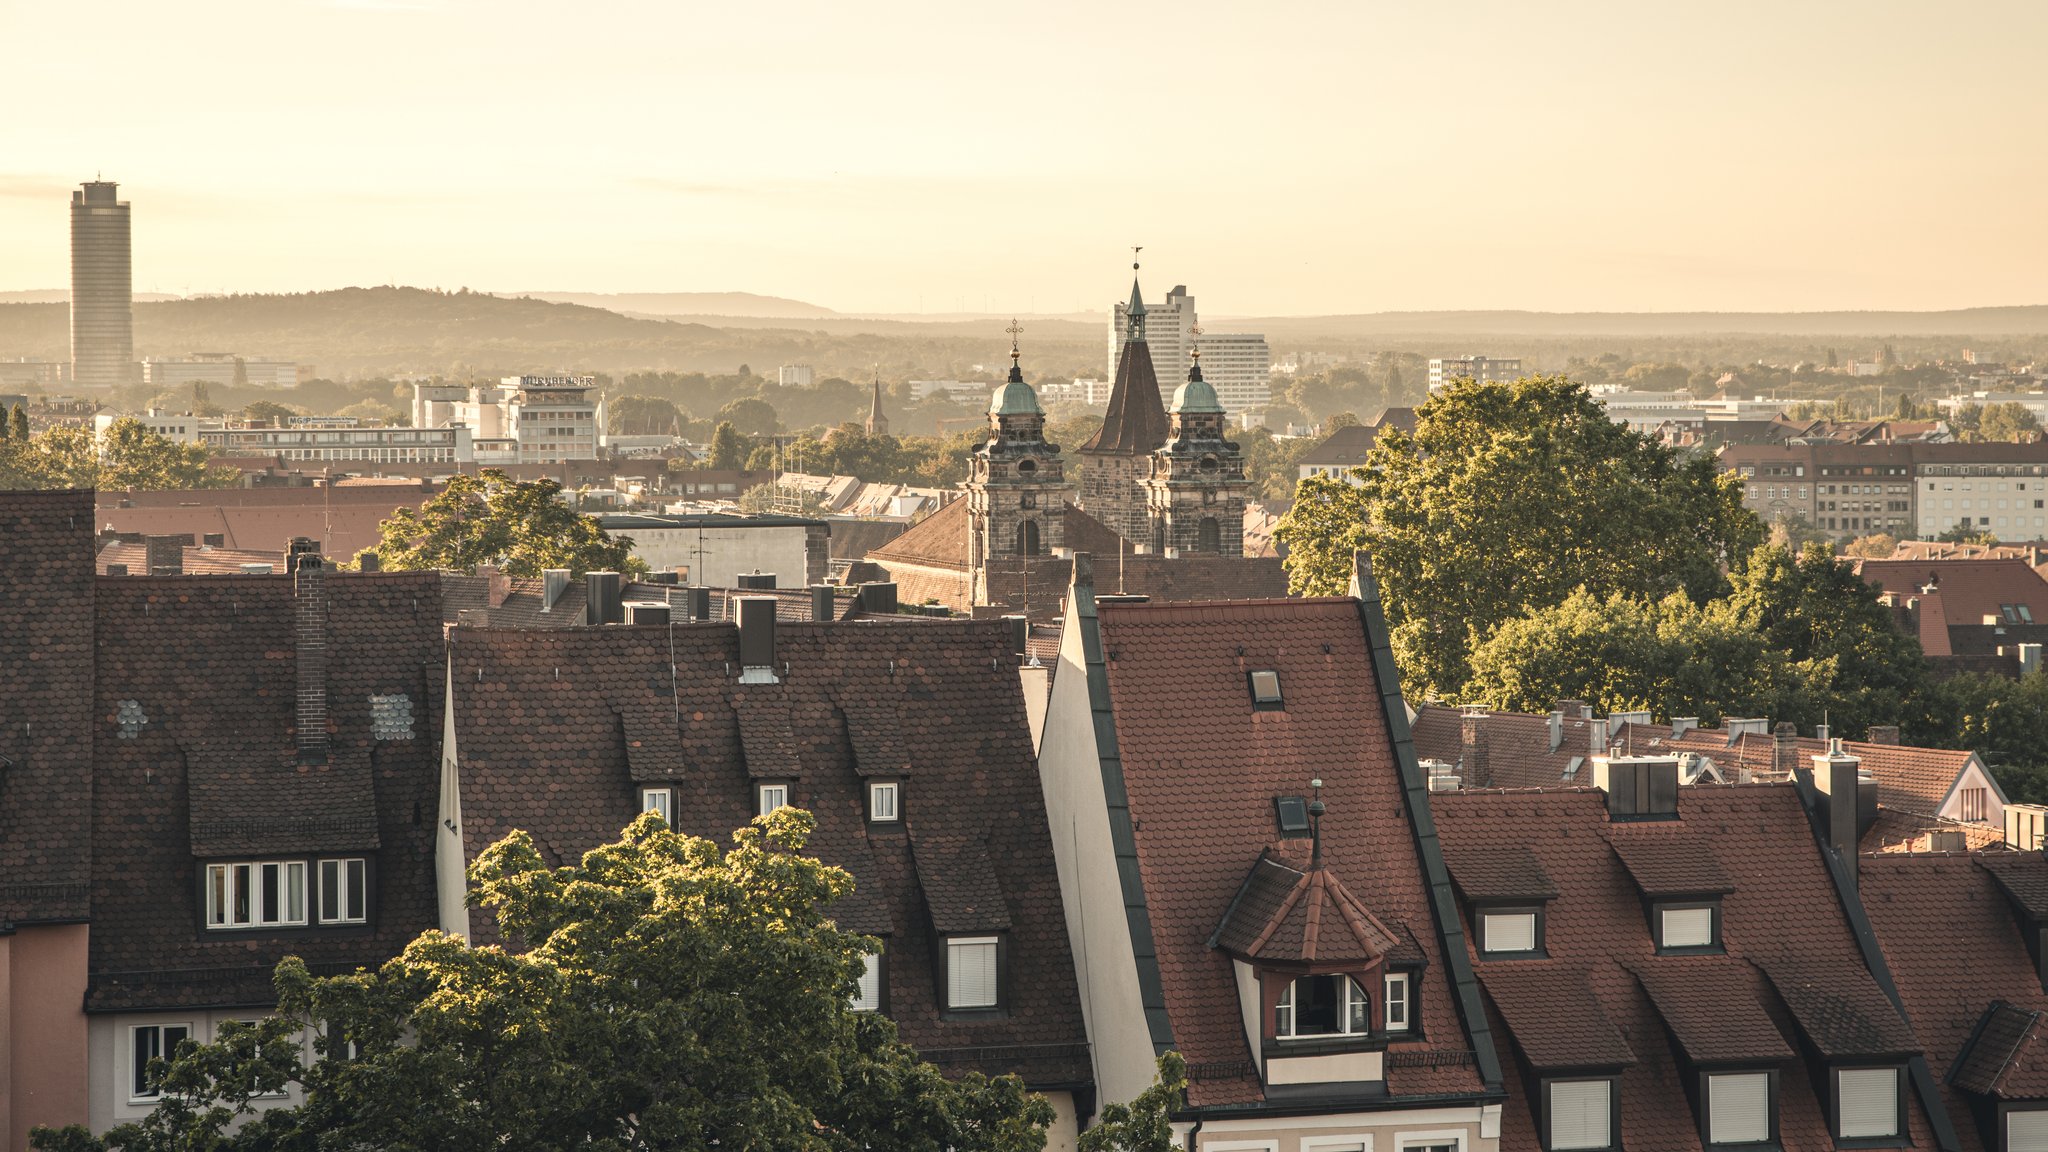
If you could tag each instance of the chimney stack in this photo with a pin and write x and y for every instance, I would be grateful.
(1837, 782)
(697, 603)
(878, 596)
(1638, 787)
(604, 604)
(1472, 732)
(1785, 748)
(369, 562)
(1019, 632)
(821, 603)
(165, 555)
(309, 601)
(757, 581)
(497, 585)
(1556, 729)
(298, 549)
(553, 582)
(757, 639)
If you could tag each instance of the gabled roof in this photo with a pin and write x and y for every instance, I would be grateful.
(1135, 422)
(1300, 914)
(1344, 448)
(1969, 590)
(1909, 778)
(1841, 1011)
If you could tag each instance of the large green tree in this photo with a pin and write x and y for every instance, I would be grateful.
(135, 457)
(670, 996)
(1507, 497)
(522, 526)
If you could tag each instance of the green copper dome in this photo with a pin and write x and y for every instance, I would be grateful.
(1015, 399)
(1196, 396)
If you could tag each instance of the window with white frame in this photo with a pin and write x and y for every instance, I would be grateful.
(147, 1042)
(1738, 1107)
(1688, 925)
(868, 996)
(1327, 1005)
(2026, 1131)
(769, 797)
(885, 801)
(344, 891)
(660, 801)
(257, 894)
(1395, 1000)
(971, 972)
(1580, 1114)
(1508, 931)
(1866, 1103)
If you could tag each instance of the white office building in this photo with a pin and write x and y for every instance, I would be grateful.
(1238, 364)
(177, 427)
(222, 368)
(1485, 369)
(795, 375)
(520, 419)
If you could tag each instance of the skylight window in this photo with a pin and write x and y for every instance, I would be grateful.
(1292, 812)
(1266, 690)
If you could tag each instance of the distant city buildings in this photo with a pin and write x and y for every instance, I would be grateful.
(519, 420)
(1237, 364)
(223, 368)
(31, 373)
(327, 444)
(102, 297)
(1900, 488)
(795, 375)
(1481, 368)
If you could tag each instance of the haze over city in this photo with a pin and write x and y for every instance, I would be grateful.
(1306, 159)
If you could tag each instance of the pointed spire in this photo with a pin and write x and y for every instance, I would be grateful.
(878, 424)
(1134, 314)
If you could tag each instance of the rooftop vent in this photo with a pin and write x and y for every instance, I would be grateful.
(647, 612)
(1638, 787)
(696, 603)
(757, 581)
(821, 603)
(256, 569)
(603, 604)
(553, 582)
(757, 639)
(878, 597)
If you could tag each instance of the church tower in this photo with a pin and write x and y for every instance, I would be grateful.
(1016, 481)
(1195, 484)
(1116, 460)
(878, 424)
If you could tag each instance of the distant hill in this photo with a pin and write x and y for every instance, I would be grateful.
(63, 296)
(2024, 320)
(687, 303)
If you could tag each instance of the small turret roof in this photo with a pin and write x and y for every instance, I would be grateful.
(1197, 395)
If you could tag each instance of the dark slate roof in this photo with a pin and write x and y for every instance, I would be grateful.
(1504, 872)
(1555, 1018)
(193, 718)
(541, 747)
(1201, 768)
(1842, 1012)
(1135, 423)
(1301, 913)
(2002, 1059)
(1781, 914)
(2024, 878)
(1666, 859)
(46, 676)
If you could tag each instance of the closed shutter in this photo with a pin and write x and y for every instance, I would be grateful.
(1869, 1101)
(1688, 927)
(1580, 1115)
(1511, 932)
(2026, 1131)
(1738, 1108)
(971, 973)
(869, 998)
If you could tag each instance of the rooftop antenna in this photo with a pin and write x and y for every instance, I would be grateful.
(1315, 824)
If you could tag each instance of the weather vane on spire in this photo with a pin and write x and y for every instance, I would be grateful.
(1135, 249)
(1013, 330)
(1194, 342)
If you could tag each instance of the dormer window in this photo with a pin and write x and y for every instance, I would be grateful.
(1867, 1103)
(885, 801)
(1265, 686)
(867, 996)
(1579, 1115)
(1687, 925)
(1742, 1108)
(769, 797)
(267, 894)
(660, 801)
(1394, 1001)
(345, 891)
(1330, 1005)
(973, 973)
(1507, 933)
(1292, 814)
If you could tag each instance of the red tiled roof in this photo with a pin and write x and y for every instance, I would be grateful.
(2006, 1059)
(1514, 748)
(1291, 913)
(1201, 768)
(1666, 859)
(1554, 1017)
(1499, 872)
(1968, 590)
(197, 561)
(1714, 1006)
(1909, 778)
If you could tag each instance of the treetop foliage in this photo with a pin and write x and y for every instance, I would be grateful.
(130, 456)
(489, 518)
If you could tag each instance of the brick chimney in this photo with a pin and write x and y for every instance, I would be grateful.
(1785, 748)
(309, 600)
(166, 555)
(1473, 735)
(1881, 734)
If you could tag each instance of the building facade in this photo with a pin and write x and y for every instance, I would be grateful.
(1481, 368)
(223, 368)
(519, 420)
(377, 445)
(1016, 484)
(1906, 489)
(1195, 491)
(1239, 363)
(102, 288)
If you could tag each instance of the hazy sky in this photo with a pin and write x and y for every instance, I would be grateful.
(1276, 157)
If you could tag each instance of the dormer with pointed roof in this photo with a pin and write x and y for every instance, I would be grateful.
(1133, 427)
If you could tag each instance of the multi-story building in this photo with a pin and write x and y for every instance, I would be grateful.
(1911, 488)
(1237, 364)
(379, 445)
(1998, 488)
(1645, 411)
(102, 297)
(26, 372)
(1481, 368)
(795, 376)
(223, 368)
(177, 427)
(520, 419)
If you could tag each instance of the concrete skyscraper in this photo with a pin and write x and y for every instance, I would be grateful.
(102, 302)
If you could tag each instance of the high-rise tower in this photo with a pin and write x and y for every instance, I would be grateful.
(102, 287)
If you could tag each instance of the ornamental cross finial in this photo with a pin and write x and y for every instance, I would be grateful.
(1194, 345)
(1013, 330)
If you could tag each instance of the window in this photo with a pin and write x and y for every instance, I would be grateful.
(1738, 1107)
(1976, 804)
(256, 895)
(149, 1042)
(1509, 931)
(344, 891)
(660, 801)
(971, 972)
(1292, 813)
(1687, 926)
(2026, 1131)
(1265, 691)
(771, 797)
(1396, 1001)
(1322, 1006)
(1581, 1114)
(1866, 1103)
(339, 1046)
(885, 802)
(867, 996)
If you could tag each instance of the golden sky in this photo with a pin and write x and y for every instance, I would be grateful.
(1277, 157)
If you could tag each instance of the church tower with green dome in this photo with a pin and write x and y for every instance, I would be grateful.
(1016, 482)
(1195, 487)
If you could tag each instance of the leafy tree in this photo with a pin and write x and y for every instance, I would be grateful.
(749, 416)
(522, 526)
(728, 449)
(1962, 533)
(1341, 420)
(670, 996)
(1506, 498)
(641, 415)
(135, 457)
(277, 414)
(1878, 546)
(1146, 1123)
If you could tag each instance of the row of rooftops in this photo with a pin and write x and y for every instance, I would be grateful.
(171, 694)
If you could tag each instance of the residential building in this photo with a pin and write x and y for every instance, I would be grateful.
(908, 743)
(2034, 402)
(1345, 449)
(223, 368)
(1847, 490)
(1485, 369)
(177, 427)
(1998, 488)
(1239, 364)
(1250, 878)
(1971, 607)
(102, 296)
(795, 376)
